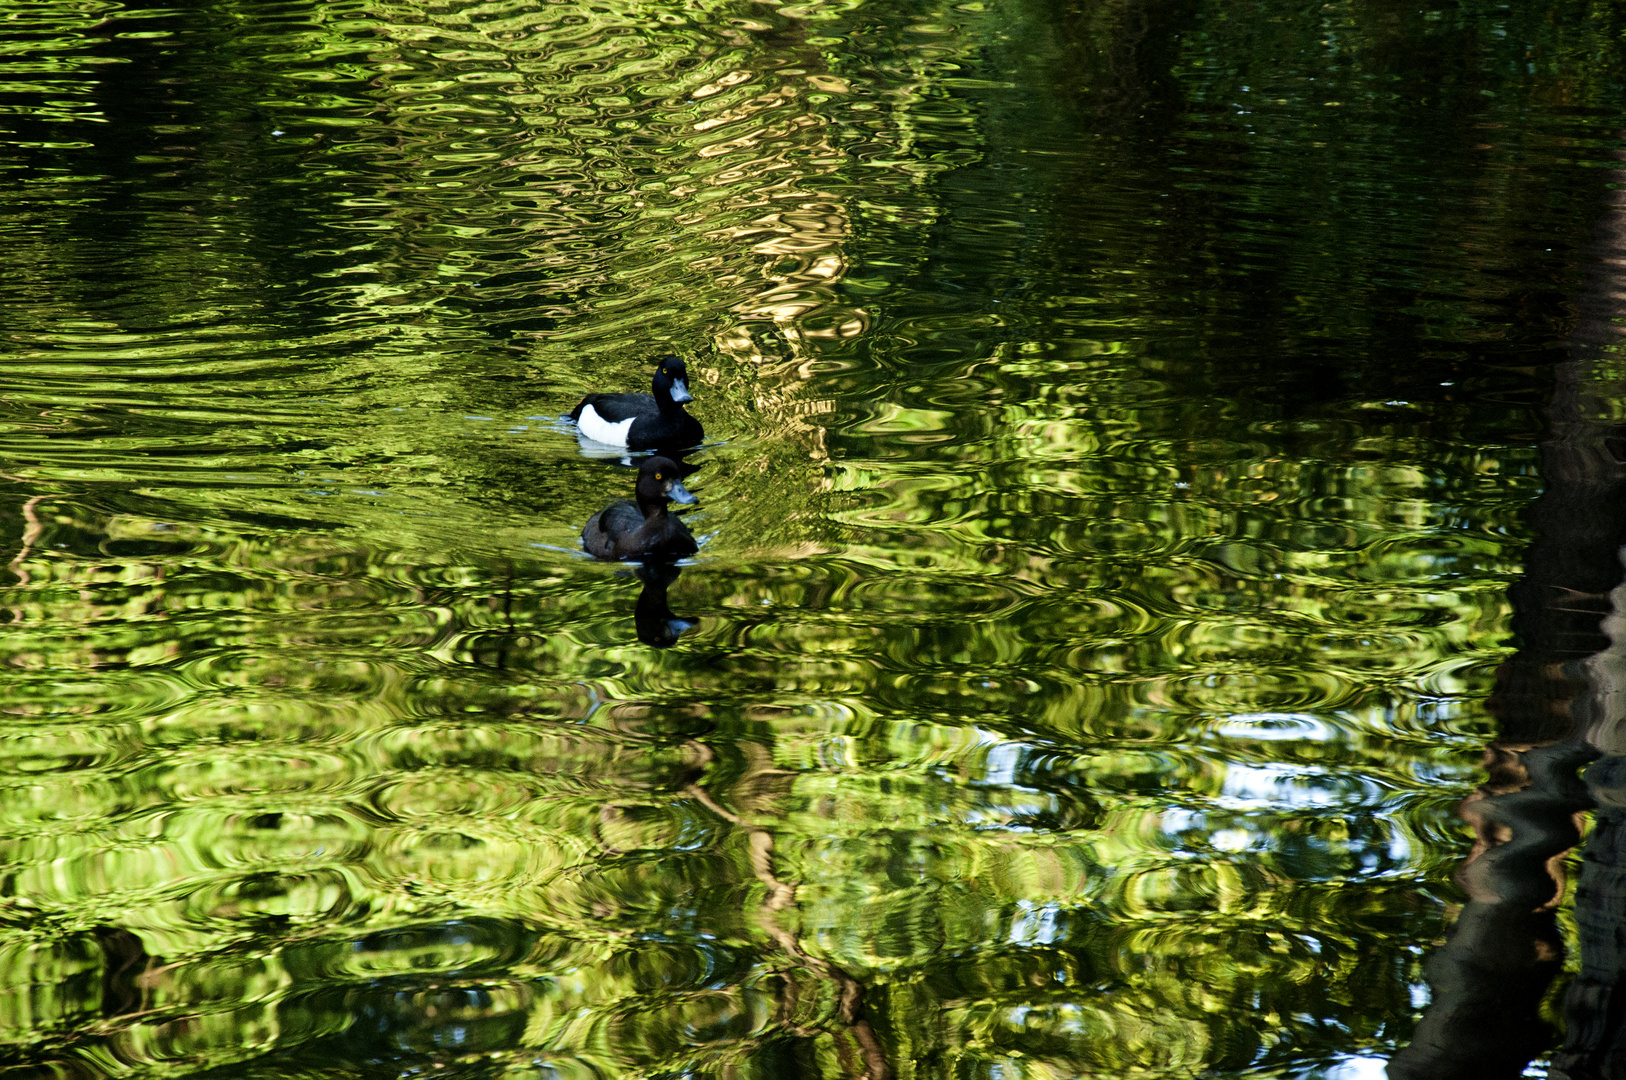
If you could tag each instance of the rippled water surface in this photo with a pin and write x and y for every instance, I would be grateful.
(1122, 421)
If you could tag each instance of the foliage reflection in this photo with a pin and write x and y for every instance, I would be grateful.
(1123, 419)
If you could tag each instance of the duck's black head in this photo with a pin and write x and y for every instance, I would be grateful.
(660, 481)
(671, 380)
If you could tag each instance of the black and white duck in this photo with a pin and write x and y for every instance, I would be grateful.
(643, 421)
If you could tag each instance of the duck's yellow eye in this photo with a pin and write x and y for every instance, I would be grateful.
(659, 476)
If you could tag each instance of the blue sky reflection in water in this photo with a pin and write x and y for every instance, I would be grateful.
(1126, 422)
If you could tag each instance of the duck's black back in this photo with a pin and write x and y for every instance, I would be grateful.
(615, 408)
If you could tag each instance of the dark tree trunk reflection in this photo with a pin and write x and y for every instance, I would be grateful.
(1558, 702)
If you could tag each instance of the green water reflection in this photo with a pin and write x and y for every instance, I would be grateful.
(1123, 418)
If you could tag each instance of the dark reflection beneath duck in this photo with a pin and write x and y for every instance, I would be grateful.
(656, 623)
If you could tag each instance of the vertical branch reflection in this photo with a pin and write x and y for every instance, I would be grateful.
(33, 529)
(781, 897)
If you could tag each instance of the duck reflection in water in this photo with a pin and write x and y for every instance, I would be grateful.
(647, 533)
(656, 624)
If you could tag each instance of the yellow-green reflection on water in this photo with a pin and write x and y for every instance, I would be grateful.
(1119, 446)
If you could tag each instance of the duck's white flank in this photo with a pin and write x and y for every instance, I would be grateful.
(598, 429)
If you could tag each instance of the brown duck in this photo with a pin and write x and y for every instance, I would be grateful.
(644, 530)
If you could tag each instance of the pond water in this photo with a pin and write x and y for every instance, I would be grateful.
(1124, 422)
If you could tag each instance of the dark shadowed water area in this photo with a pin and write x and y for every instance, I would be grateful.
(1158, 467)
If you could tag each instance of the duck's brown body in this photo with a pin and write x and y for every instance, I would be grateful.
(622, 531)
